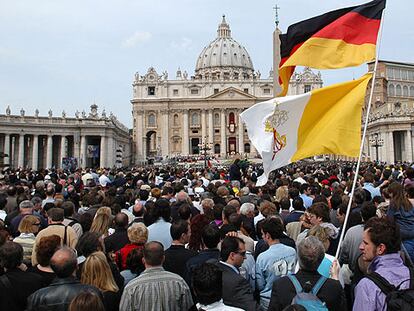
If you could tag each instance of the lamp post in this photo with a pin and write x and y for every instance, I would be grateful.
(376, 141)
(204, 147)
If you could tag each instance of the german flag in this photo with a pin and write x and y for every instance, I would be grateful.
(342, 38)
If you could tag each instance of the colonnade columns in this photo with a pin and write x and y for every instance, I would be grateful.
(186, 138)
(82, 151)
(203, 127)
(409, 146)
(20, 159)
(35, 152)
(49, 151)
(102, 158)
(241, 136)
(390, 147)
(110, 155)
(223, 145)
(7, 149)
(62, 150)
(210, 129)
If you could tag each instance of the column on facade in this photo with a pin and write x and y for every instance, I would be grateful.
(241, 135)
(49, 151)
(409, 146)
(35, 152)
(82, 151)
(103, 150)
(62, 150)
(186, 137)
(7, 149)
(20, 159)
(390, 147)
(165, 141)
(223, 145)
(140, 143)
(210, 129)
(203, 126)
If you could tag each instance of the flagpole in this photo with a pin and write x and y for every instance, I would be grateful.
(348, 209)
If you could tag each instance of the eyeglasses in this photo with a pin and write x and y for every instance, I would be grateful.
(241, 253)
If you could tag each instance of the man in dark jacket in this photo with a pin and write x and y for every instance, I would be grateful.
(64, 288)
(234, 171)
(236, 290)
(119, 238)
(311, 252)
(15, 284)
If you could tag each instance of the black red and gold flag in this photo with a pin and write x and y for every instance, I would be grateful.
(342, 38)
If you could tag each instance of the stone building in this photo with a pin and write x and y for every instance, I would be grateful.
(389, 134)
(91, 140)
(189, 113)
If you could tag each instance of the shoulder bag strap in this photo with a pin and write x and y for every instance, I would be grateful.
(65, 236)
(381, 282)
(318, 285)
(295, 283)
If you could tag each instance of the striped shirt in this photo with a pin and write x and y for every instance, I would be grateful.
(155, 290)
(26, 240)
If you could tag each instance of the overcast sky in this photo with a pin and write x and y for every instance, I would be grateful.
(65, 55)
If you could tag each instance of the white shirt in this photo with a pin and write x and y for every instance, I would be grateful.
(217, 306)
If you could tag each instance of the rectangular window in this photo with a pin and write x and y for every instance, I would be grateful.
(216, 91)
(194, 132)
(216, 131)
(308, 88)
(151, 90)
(246, 91)
(175, 92)
(194, 92)
(266, 91)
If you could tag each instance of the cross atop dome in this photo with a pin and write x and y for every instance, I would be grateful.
(223, 30)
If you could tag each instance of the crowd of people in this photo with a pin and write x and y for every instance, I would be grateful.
(173, 238)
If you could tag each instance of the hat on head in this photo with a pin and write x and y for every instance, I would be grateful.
(145, 187)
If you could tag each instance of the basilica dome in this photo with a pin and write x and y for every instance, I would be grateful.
(224, 57)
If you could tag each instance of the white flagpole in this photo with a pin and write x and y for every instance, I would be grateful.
(348, 210)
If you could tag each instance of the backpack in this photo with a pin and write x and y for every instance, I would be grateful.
(396, 298)
(308, 300)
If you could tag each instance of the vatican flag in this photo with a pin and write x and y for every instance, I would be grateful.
(323, 121)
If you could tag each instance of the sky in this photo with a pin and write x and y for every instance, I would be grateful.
(67, 55)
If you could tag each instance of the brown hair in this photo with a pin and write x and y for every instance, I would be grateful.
(47, 246)
(27, 224)
(86, 301)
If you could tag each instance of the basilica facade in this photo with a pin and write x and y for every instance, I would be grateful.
(198, 113)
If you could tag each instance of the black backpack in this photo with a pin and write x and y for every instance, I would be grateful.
(396, 298)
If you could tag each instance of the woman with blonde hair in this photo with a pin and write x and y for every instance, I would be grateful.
(138, 236)
(28, 228)
(281, 193)
(96, 272)
(102, 221)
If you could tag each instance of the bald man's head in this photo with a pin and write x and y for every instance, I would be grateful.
(121, 220)
(64, 262)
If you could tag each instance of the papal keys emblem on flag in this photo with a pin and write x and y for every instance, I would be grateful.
(278, 118)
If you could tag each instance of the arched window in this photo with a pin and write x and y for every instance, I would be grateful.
(151, 120)
(398, 91)
(247, 148)
(175, 119)
(391, 90)
(217, 148)
(216, 119)
(231, 118)
(405, 91)
(411, 91)
(195, 119)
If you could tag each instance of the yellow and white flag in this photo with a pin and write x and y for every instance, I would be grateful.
(323, 121)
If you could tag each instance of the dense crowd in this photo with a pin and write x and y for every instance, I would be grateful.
(173, 238)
